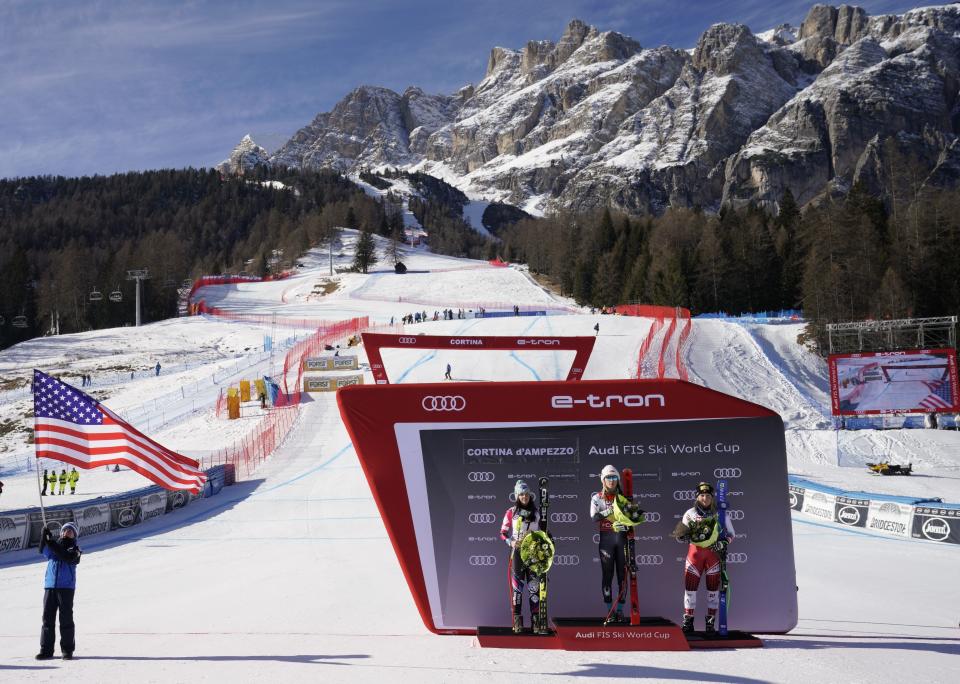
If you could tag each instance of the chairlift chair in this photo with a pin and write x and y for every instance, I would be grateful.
(19, 321)
(116, 295)
(95, 295)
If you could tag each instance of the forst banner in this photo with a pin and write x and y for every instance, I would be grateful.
(442, 461)
(914, 381)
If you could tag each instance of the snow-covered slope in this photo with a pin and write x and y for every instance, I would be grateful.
(291, 576)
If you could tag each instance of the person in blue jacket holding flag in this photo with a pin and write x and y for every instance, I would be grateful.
(59, 585)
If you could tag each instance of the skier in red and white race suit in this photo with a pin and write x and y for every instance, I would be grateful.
(519, 520)
(703, 556)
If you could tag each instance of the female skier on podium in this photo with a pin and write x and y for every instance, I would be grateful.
(519, 520)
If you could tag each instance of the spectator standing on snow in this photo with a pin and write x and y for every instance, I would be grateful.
(157, 367)
(43, 490)
(596, 329)
(446, 376)
(59, 586)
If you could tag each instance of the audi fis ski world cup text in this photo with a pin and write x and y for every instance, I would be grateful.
(678, 449)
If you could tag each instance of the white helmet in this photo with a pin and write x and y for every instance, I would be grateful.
(609, 471)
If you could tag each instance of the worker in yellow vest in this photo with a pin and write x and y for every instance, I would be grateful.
(52, 479)
(63, 481)
(74, 477)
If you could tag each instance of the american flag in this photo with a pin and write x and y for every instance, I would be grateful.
(74, 427)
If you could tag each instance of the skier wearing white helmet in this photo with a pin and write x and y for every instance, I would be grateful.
(519, 520)
(613, 540)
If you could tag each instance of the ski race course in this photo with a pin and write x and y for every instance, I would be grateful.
(289, 575)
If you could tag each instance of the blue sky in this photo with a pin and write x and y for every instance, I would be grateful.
(99, 87)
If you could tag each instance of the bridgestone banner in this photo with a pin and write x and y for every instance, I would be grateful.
(442, 461)
(891, 518)
(152, 505)
(92, 519)
(937, 524)
(820, 505)
(14, 532)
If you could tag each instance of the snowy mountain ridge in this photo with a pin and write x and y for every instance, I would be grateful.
(597, 120)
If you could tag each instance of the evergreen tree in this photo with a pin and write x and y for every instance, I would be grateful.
(365, 255)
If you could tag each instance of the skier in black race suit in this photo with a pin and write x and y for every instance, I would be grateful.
(700, 527)
(613, 540)
(518, 521)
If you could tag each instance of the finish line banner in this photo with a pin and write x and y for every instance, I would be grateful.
(442, 460)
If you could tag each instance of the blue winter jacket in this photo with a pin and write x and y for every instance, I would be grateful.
(63, 557)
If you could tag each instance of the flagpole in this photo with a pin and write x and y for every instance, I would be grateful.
(43, 511)
(36, 461)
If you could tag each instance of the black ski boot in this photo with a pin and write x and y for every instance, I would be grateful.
(711, 624)
(67, 655)
(43, 656)
(618, 617)
(517, 624)
(540, 626)
(687, 625)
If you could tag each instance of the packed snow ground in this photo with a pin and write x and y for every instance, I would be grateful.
(291, 575)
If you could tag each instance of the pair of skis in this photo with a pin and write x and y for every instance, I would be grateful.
(543, 622)
(631, 551)
(724, 579)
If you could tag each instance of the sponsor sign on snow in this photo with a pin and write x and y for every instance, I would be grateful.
(937, 524)
(819, 504)
(14, 532)
(851, 512)
(890, 517)
(93, 519)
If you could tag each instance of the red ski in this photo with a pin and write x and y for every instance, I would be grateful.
(631, 552)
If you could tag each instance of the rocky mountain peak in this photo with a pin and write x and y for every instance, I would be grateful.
(723, 47)
(245, 155)
(593, 120)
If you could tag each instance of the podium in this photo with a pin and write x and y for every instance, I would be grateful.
(591, 634)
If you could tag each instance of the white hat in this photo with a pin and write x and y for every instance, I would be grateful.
(609, 471)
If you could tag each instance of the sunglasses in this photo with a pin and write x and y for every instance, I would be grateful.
(611, 477)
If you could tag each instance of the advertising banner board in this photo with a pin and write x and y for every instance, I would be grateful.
(850, 511)
(472, 441)
(912, 381)
(14, 532)
(374, 342)
(152, 505)
(891, 518)
(937, 524)
(92, 519)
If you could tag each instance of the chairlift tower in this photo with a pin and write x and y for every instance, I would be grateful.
(138, 274)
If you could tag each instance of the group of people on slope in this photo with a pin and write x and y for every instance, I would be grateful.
(699, 527)
(52, 479)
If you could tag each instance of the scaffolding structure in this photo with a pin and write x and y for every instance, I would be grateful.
(938, 332)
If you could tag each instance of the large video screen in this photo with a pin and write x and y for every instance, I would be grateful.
(911, 381)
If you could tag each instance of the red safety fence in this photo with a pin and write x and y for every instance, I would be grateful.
(684, 314)
(202, 307)
(647, 310)
(662, 361)
(499, 263)
(647, 344)
(248, 453)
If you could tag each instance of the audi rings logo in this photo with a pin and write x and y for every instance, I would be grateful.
(406, 340)
(728, 473)
(649, 559)
(684, 495)
(483, 560)
(735, 514)
(566, 559)
(736, 558)
(482, 518)
(444, 403)
(479, 476)
(651, 517)
(563, 517)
